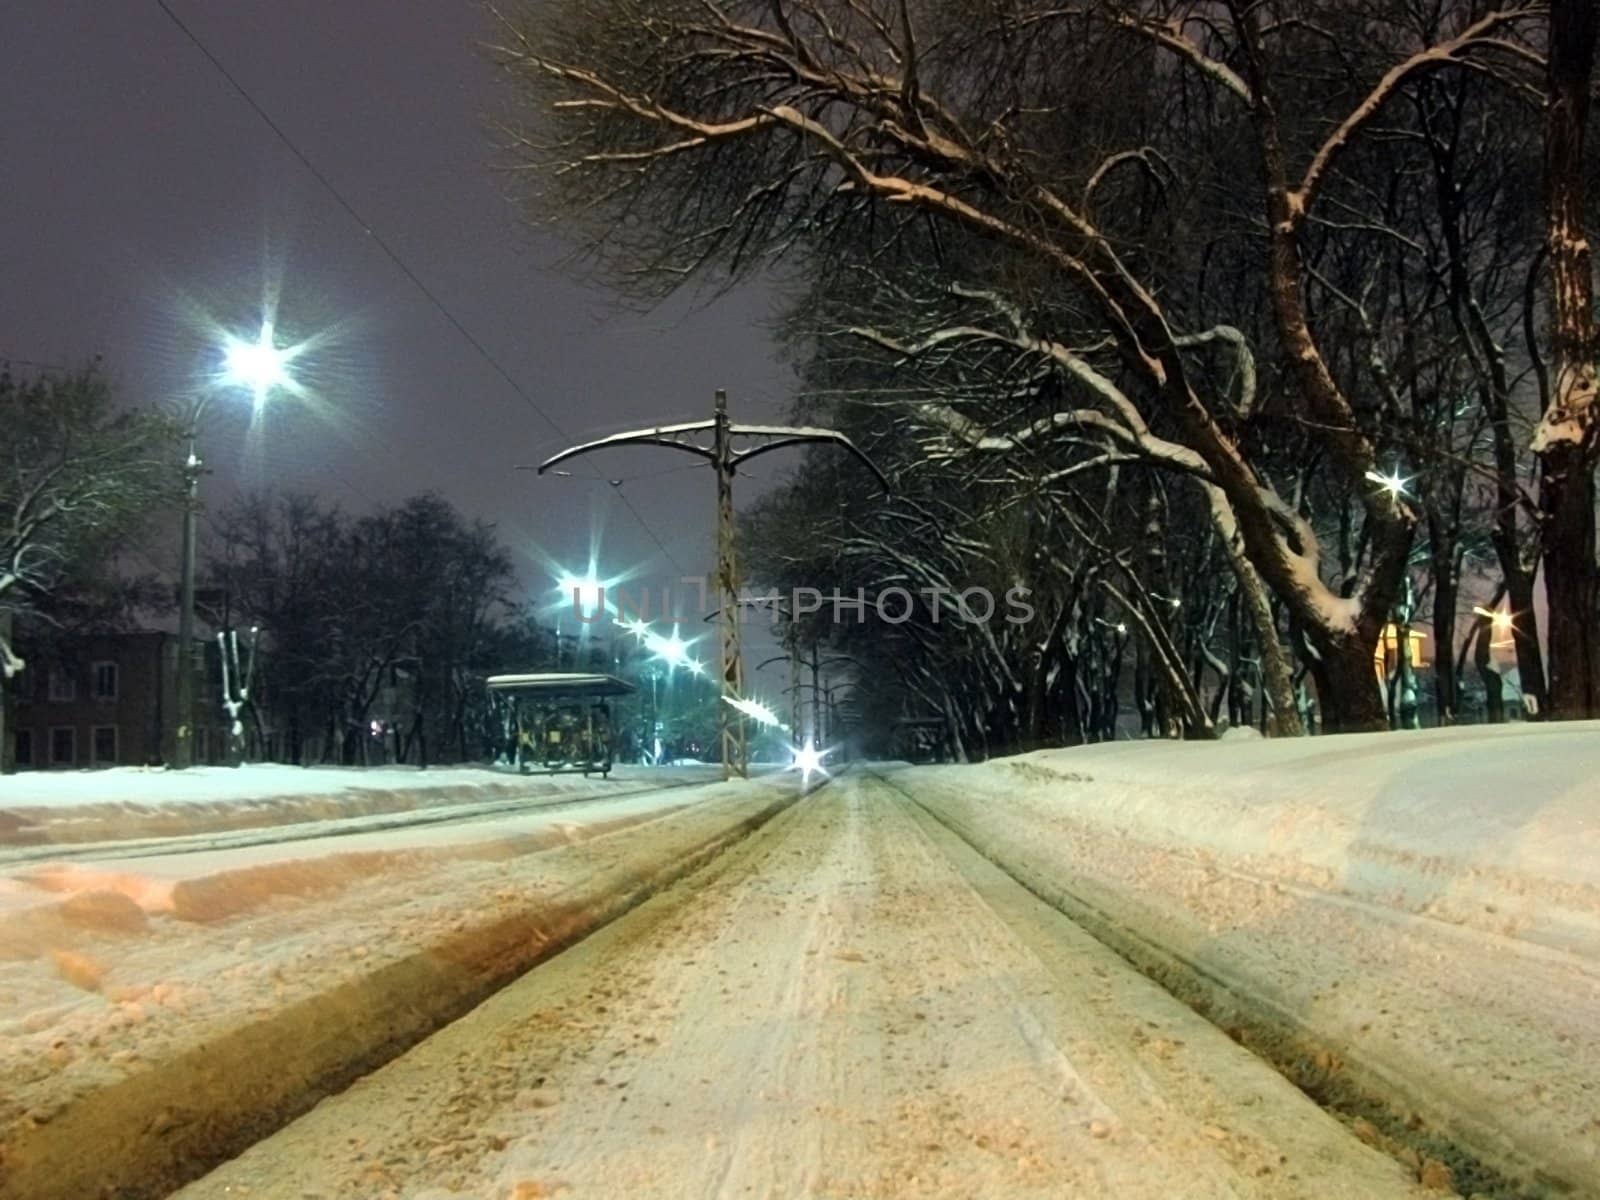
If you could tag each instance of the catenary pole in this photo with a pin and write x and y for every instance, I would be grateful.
(725, 457)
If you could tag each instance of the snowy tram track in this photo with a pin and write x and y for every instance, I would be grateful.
(849, 1002)
(170, 1043)
(310, 831)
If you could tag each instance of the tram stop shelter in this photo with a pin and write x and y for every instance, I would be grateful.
(559, 721)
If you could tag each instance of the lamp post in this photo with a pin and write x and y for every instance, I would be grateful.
(261, 366)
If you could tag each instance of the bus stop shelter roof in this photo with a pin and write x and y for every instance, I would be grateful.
(561, 683)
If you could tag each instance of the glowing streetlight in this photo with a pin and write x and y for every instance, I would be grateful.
(260, 366)
(588, 593)
(756, 711)
(1499, 618)
(1391, 483)
(808, 760)
(673, 651)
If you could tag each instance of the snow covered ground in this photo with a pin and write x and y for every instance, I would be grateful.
(1411, 918)
(859, 999)
(170, 1009)
(848, 1004)
(132, 802)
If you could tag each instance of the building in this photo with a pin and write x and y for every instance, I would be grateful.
(107, 699)
(1383, 655)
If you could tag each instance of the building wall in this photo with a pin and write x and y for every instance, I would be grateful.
(107, 700)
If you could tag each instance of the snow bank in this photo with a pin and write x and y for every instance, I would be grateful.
(135, 802)
(1408, 923)
(260, 781)
(1496, 827)
(169, 1043)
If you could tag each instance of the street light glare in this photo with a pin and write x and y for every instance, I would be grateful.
(757, 711)
(673, 651)
(1499, 618)
(587, 591)
(260, 366)
(1391, 483)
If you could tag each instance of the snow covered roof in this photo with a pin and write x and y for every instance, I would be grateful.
(561, 683)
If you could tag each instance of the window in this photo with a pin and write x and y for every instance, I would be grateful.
(105, 745)
(105, 681)
(24, 746)
(63, 687)
(63, 746)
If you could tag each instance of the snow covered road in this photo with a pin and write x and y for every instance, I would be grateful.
(850, 1002)
(170, 1012)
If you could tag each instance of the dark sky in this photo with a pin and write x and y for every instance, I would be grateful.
(142, 194)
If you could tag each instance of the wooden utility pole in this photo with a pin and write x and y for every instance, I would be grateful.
(725, 460)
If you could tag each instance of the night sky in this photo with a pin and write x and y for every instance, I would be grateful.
(143, 196)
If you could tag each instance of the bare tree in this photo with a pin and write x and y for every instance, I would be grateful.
(79, 476)
(704, 135)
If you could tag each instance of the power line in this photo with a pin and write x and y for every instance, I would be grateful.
(393, 256)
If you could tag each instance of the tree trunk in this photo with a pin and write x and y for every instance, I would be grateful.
(1277, 676)
(1494, 702)
(1565, 440)
(1446, 686)
(1348, 694)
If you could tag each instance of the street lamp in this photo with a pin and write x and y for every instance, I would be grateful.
(259, 366)
(1499, 618)
(587, 593)
(1390, 482)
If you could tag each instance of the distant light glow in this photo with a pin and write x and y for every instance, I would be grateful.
(808, 758)
(756, 711)
(673, 651)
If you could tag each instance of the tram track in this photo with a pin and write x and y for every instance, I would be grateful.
(320, 993)
(850, 1001)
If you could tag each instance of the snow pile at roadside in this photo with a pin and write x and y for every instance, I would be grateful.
(1497, 828)
(1409, 922)
(169, 1035)
(258, 781)
(131, 802)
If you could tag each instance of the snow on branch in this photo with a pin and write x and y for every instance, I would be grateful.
(1478, 35)
(1243, 359)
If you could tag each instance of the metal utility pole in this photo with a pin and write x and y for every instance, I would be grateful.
(725, 460)
(183, 725)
